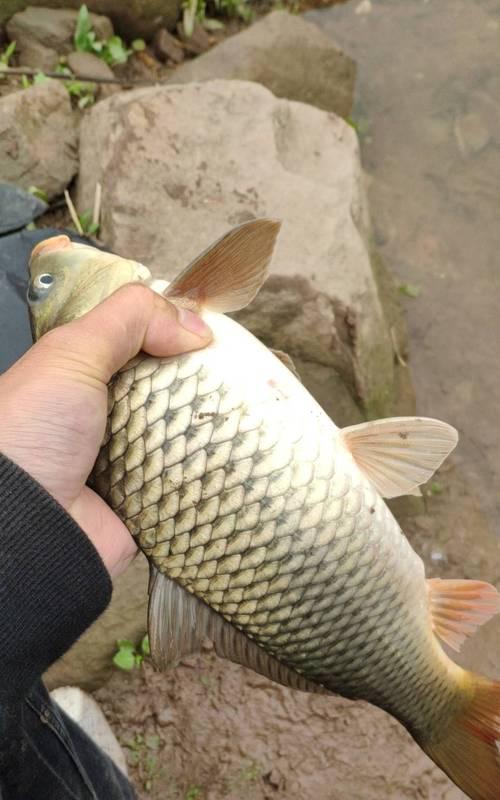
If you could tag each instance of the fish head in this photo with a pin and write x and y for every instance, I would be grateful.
(67, 279)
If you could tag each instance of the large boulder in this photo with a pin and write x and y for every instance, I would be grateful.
(38, 138)
(42, 35)
(179, 165)
(131, 19)
(291, 57)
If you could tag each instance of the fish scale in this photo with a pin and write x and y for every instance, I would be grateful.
(262, 517)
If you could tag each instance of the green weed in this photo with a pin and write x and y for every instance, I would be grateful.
(410, 290)
(128, 657)
(113, 50)
(6, 55)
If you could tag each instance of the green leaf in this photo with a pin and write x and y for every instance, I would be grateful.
(82, 30)
(146, 650)
(410, 290)
(31, 226)
(211, 24)
(123, 644)
(40, 193)
(8, 53)
(25, 83)
(115, 51)
(138, 44)
(124, 659)
(436, 488)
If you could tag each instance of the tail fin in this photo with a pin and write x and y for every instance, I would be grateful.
(470, 753)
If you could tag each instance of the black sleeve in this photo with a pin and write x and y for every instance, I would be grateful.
(53, 584)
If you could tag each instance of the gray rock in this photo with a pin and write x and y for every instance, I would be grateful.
(131, 19)
(186, 163)
(38, 138)
(167, 47)
(89, 65)
(198, 42)
(89, 663)
(43, 34)
(291, 57)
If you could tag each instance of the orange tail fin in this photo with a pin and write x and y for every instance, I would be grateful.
(470, 753)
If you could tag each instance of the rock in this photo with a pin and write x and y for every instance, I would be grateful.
(131, 19)
(167, 47)
(185, 163)
(44, 34)
(291, 57)
(89, 65)
(198, 42)
(89, 663)
(38, 138)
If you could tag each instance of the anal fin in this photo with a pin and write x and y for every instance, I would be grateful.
(459, 607)
(180, 621)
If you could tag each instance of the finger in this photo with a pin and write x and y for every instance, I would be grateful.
(134, 318)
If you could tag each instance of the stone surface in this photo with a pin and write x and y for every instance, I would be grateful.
(167, 47)
(131, 19)
(89, 65)
(89, 663)
(291, 57)
(185, 163)
(43, 34)
(198, 42)
(38, 138)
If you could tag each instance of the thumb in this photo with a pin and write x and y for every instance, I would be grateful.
(134, 318)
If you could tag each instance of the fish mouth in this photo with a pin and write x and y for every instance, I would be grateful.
(49, 245)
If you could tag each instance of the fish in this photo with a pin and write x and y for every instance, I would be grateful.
(265, 525)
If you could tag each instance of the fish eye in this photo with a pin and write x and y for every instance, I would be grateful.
(39, 287)
(43, 281)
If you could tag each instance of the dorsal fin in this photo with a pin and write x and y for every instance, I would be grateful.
(400, 453)
(228, 275)
(179, 622)
(460, 607)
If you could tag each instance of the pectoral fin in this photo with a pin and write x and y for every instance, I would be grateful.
(460, 607)
(401, 453)
(179, 622)
(229, 274)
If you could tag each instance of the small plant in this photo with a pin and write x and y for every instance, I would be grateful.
(409, 290)
(127, 656)
(193, 793)
(436, 488)
(82, 91)
(6, 55)
(112, 51)
(40, 77)
(40, 193)
(202, 10)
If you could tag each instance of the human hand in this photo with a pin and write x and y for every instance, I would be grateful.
(53, 402)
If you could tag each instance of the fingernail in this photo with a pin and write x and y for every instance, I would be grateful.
(193, 323)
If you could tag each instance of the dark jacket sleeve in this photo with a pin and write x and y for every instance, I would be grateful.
(53, 584)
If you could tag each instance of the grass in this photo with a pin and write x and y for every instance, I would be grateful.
(128, 657)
